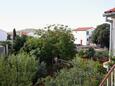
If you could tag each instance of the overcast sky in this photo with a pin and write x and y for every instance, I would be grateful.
(21, 14)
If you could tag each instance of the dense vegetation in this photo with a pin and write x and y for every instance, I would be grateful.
(101, 35)
(95, 55)
(83, 73)
(17, 70)
(20, 70)
(48, 59)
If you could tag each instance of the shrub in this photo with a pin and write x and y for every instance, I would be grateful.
(102, 55)
(81, 53)
(82, 74)
(90, 52)
(113, 60)
(17, 70)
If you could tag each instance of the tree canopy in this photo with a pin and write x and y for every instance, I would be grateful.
(53, 41)
(18, 43)
(101, 35)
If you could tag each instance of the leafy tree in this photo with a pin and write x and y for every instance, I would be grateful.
(19, 43)
(101, 35)
(53, 41)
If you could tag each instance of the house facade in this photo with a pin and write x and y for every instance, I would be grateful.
(110, 17)
(82, 35)
(3, 35)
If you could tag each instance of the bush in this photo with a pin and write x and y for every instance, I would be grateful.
(112, 60)
(17, 70)
(102, 55)
(90, 52)
(81, 53)
(82, 74)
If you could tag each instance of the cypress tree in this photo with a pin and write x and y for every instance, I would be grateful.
(14, 34)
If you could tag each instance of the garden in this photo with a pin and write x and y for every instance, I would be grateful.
(51, 59)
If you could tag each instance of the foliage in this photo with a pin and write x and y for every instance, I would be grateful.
(81, 53)
(101, 54)
(17, 70)
(112, 61)
(14, 34)
(18, 43)
(40, 73)
(83, 73)
(101, 35)
(8, 37)
(53, 41)
(90, 52)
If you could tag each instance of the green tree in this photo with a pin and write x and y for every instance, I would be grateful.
(14, 34)
(19, 43)
(53, 41)
(101, 35)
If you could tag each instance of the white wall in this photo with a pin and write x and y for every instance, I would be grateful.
(3, 35)
(113, 37)
(81, 35)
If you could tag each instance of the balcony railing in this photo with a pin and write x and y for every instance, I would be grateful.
(109, 79)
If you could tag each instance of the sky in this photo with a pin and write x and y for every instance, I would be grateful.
(21, 14)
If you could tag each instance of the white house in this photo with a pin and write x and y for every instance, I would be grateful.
(82, 35)
(110, 17)
(3, 35)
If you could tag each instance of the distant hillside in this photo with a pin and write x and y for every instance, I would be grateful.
(24, 30)
(27, 30)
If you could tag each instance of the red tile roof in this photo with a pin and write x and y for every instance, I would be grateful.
(83, 28)
(110, 10)
(23, 33)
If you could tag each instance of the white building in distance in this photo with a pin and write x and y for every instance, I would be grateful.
(3, 35)
(82, 35)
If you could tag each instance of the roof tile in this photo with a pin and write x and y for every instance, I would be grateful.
(83, 28)
(110, 10)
